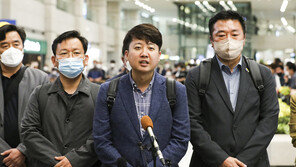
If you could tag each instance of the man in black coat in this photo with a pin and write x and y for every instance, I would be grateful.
(232, 123)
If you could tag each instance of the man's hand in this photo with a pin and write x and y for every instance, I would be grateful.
(13, 158)
(64, 162)
(232, 162)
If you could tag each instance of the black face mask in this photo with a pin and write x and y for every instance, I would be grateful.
(280, 74)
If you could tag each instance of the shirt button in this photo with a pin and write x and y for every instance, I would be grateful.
(67, 120)
(66, 145)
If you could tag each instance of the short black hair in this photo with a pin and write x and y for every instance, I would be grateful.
(147, 32)
(291, 66)
(10, 27)
(67, 35)
(273, 66)
(226, 15)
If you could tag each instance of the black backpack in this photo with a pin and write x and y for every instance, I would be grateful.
(170, 90)
(205, 72)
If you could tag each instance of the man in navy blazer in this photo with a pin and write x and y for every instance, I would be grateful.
(118, 133)
(232, 123)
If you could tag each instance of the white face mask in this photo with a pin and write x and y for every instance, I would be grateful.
(112, 65)
(166, 66)
(229, 49)
(12, 57)
(99, 66)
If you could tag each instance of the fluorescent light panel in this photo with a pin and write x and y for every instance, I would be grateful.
(284, 6)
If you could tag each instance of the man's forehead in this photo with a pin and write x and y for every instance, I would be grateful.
(227, 25)
(12, 35)
(72, 42)
(142, 41)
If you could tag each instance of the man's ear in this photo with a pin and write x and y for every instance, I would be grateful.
(85, 61)
(126, 54)
(54, 61)
(212, 41)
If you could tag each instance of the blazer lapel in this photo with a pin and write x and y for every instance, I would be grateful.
(158, 92)
(126, 94)
(220, 84)
(157, 98)
(244, 86)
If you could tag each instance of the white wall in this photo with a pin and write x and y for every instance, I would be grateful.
(28, 13)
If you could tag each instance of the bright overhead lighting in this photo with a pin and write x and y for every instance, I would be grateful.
(291, 29)
(284, 6)
(230, 3)
(197, 3)
(223, 4)
(192, 26)
(208, 6)
(284, 21)
(144, 6)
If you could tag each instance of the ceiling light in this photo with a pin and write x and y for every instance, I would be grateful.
(197, 3)
(291, 29)
(208, 6)
(284, 6)
(284, 21)
(144, 6)
(230, 3)
(223, 4)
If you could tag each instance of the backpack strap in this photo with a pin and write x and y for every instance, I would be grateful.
(255, 73)
(111, 95)
(171, 92)
(204, 76)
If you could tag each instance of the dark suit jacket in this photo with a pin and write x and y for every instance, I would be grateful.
(117, 133)
(218, 132)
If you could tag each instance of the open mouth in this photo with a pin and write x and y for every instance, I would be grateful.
(144, 62)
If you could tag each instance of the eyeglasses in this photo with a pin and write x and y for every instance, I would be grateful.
(65, 54)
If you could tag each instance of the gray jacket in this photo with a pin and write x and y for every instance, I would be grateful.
(31, 79)
(56, 125)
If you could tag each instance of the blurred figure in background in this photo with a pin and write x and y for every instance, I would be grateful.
(112, 71)
(96, 74)
(272, 68)
(291, 75)
(279, 70)
(181, 73)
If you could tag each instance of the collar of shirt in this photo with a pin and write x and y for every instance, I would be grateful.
(82, 87)
(13, 76)
(226, 69)
(134, 85)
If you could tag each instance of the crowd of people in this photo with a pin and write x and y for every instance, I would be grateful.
(227, 107)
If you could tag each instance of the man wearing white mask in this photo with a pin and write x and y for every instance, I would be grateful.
(16, 84)
(57, 125)
(232, 119)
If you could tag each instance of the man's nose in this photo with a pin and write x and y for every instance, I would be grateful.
(145, 52)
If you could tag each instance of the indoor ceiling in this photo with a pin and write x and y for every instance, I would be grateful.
(263, 9)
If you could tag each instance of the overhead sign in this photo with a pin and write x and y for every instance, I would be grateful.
(35, 46)
(7, 21)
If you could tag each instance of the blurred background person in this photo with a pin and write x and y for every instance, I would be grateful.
(96, 74)
(290, 75)
(112, 71)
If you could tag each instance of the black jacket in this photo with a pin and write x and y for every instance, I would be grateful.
(218, 132)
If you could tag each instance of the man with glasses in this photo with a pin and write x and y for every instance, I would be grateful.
(57, 126)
